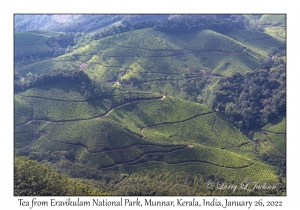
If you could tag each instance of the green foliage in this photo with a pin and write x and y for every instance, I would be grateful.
(267, 148)
(277, 126)
(183, 183)
(29, 50)
(62, 91)
(65, 110)
(277, 19)
(277, 32)
(40, 67)
(102, 134)
(279, 141)
(167, 125)
(208, 155)
(33, 179)
(244, 36)
(22, 111)
(109, 110)
(41, 44)
(144, 50)
(26, 128)
(145, 113)
(266, 172)
(262, 46)
(23, 38)
(210, 130)
(207, 40)
(252, 100)
(23, 139)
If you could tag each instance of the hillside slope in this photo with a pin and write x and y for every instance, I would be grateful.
(156, 133)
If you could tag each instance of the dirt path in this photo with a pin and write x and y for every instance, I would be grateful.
(272, 143)
(84, 101)
(162, 97)
(214, 122)
(181, 51)
(113, 150)
(242, 144)
(142, 133)
(272, 132)
(170, 123)
(55, 99)
(178, 54)
(259, 39)
(135, 161)
(132, 162)
(169, 80)
(266, 151)
(180, 162)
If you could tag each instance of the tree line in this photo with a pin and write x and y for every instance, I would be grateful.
(32, 178)
(90, 88)
(254, 99)
(194, 23)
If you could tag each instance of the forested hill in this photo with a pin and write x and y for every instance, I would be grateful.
(77, 23)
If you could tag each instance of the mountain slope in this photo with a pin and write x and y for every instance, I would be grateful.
(166, 133)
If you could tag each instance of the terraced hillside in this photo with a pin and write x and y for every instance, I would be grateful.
(110, 137)
(30, 44)
(127, 56)
(272, 139)
(36, 46)
(164, 63)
